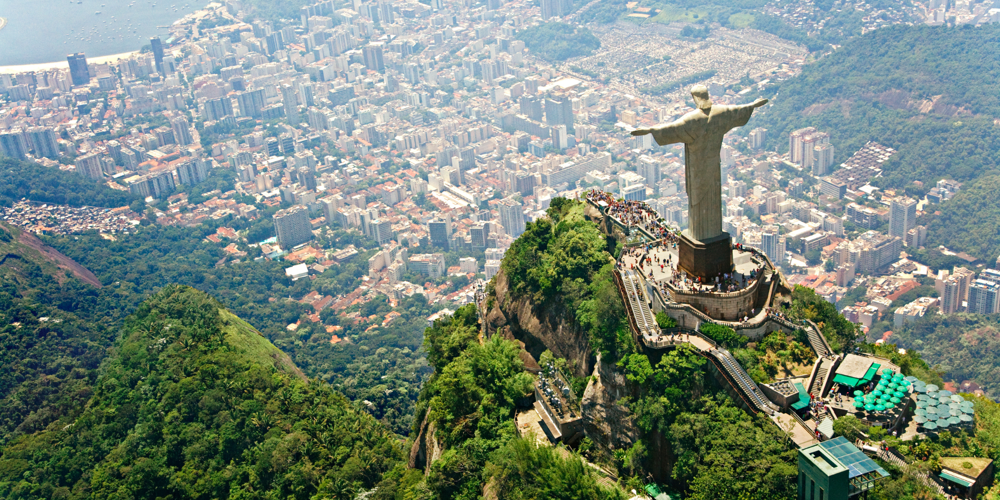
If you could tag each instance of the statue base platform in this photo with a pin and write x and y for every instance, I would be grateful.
(705, 259)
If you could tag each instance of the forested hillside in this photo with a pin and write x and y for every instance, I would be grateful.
(962, 346)
(26, 179)
(932, 93)
(54, 331)
(382, 365)
(197, 404)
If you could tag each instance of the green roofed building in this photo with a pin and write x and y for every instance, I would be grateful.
(968, 475)
(836, 470)
(856, 371)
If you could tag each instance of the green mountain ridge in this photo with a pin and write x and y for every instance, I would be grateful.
(195, 403)
(931, 93)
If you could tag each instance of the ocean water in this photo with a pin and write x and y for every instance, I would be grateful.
(41, 31)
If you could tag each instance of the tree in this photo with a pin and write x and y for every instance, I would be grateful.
(850, 427)
(664, 321)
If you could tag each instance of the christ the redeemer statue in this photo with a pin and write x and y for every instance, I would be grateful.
(702, 131)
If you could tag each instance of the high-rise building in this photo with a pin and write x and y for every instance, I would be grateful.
(89, 166)
(951, 296)
(822, 159)
(43, 142)
(757, 138)
(511, 216)
(290, 104)
(157, 47)
(157, 185)
(216, 109)
(555, 8)
(190, 173)
(559, 111)
(292, 226)
(440, 233)
(13, 144)
(381, 231)
(182, 131)
(902, 216)
(809, 144)
(251, 102)
(373, 56)
(796, 144)
(984, 297)
(771, 245)
(78, 71)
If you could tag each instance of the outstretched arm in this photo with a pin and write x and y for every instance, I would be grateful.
(665, 133)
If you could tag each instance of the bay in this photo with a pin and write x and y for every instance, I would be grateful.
(41, 31)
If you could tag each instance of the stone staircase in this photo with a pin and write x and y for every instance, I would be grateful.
(743, 382)
(817, 342)
(817, 384)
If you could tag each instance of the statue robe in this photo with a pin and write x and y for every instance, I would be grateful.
(702, 133)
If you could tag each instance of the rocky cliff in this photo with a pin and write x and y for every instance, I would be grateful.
(537, 328)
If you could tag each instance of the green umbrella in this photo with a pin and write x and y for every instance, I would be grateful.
(869, 407)
(957, 399)
(932, 388)
(945, 393)
(859, 393)
(911, 378)
(859, 398)
(896, 400)
(905, 383)
(876, 392)
(956, 412)
(965, 418)
(930, 426)
(967, 404)
(968, 411)
(879, 407)
(890, 405)
(920, 412)
(918, 419)
(899, 394)
(898, 376)
(859, 404)
(891, 385)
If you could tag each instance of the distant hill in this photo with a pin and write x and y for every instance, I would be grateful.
(932, 93)
(54, 331)
(196, 403)
(559, 41)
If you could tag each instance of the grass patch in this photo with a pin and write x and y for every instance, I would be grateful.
(672, 14)
(741, 20)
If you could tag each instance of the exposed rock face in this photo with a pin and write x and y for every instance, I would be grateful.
(426, 449)
(605, 422)
(538, 328)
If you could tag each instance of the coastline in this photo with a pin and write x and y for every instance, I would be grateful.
(23, 68)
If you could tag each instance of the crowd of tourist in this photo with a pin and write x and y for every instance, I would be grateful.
(635, 214)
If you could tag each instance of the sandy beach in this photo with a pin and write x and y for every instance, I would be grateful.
(63, 64)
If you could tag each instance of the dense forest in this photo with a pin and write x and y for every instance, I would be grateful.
(197, 404)
(929, 92)
(924, 91)
(564, 261)
(471, 399)
(963, 346)
(27, 179)
(970, 221)
(559, 41)
(381, 365)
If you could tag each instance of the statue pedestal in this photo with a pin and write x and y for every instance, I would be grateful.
(706, 259)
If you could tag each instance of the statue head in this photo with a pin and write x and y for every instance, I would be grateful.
(701, 98)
